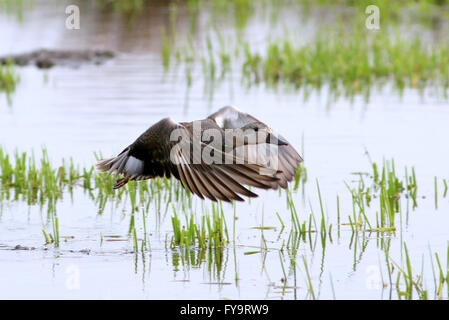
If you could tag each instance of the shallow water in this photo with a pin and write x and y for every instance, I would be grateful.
(75, 112)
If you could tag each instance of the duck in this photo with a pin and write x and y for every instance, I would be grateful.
(215, 158)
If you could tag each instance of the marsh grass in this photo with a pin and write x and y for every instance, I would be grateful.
(8, 80)
(130, 7)
(301, 177)
(410, 282)
(43, 184)
(384, 186)
(212, 231)
(33, 184)
(52, 237)
(347, 64)
(15, 7)
(445, 188)
(239, 12)
(201, 238)
(348, 60)
(401, 11)
(350, 64)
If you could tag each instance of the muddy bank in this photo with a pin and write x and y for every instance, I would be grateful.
(45, 59)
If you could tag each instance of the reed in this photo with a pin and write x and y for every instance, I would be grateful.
(385, 187)
(9, 79)
(41, 183)
(410, 283)
(210, 233)
(350, 64)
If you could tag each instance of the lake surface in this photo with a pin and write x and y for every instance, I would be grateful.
(74, 112)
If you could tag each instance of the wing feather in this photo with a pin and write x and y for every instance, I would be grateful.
(155, 154)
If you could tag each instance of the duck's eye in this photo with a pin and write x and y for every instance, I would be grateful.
(256, 129)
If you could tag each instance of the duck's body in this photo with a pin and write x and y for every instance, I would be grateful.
(197, 154)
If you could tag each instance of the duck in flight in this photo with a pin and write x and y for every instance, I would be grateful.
(213, 158)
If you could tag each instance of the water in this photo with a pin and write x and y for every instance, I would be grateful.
(75, 112)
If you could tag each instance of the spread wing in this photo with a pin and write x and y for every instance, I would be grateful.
(283, 157)
(168, 148)
(221, 179)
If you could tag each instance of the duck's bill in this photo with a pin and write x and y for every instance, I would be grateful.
(272, 139)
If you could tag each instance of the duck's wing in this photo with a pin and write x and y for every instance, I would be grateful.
(284, 157)
(169, 148)
(230, 117)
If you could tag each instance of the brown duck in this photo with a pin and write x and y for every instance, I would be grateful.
(213, 158)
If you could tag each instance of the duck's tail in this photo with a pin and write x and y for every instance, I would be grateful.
(129, 166)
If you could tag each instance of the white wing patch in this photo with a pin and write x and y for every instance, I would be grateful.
(133, 166)
(231, 118)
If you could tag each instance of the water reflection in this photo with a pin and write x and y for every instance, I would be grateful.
(213, 260)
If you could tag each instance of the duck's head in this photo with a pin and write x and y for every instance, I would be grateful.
(258, 133)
